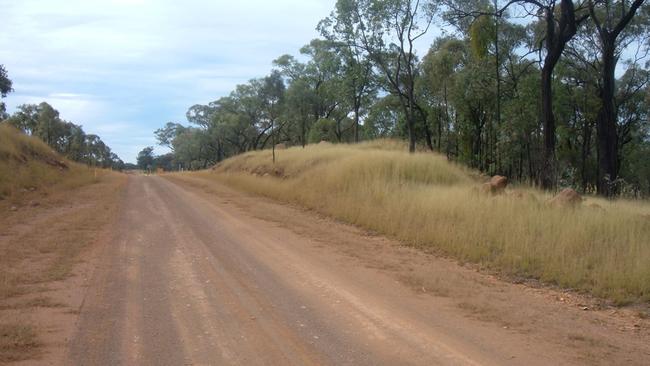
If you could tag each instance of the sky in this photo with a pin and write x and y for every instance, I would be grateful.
(123, 68)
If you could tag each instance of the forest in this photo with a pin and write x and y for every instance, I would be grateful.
(552, 93)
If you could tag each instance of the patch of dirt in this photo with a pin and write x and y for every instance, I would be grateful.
(17, 342)
(45, 251)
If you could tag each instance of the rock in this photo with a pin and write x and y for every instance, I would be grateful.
(499, 182)
(596, 206)
(280, 147)
(34, 203)
(14, 208)
(57, 164)
(566, 198)
(495, 186)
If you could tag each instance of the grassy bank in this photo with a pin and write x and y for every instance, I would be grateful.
(27, 163)
(427, 202)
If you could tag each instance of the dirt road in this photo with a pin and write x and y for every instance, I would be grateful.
(199, 275)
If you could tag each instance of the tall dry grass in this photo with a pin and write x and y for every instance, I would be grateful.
(27, 163)
(430, 203)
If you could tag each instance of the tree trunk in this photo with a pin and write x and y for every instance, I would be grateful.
(548, 122)
(410, 123)
(498, 77)
(303, 132)
(439, 137)
(273, 139)
(356, 121)
(586, 149)
(606, 123)
(427, 129)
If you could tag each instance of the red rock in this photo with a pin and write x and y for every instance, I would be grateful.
(566, 198)
(495, 186)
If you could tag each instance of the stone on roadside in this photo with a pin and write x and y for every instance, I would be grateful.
(497, 185)
(566, 198)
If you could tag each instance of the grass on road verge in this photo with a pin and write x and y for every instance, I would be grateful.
(28, 164)
(430, 203)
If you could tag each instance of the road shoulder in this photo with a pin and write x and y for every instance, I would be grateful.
(49, 248)
(567, 323)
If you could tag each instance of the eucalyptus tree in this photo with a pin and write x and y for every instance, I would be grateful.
(359, 85)
(632, 128)
(233, 124)
(556, 23)
(46, 123)
(43, 121)
(297, 113)
(314, 87)
(559, 21)
(76, 148)
(473, 95)
(25, 118)
(272, 95)
(145, 158)
(5, 88)
(384, 118)
(440, 66)
(385, 32)
(168, 133)
(194, 148)
(617, 29)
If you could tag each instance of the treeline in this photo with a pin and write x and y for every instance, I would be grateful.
(550, 92)
(66, 138)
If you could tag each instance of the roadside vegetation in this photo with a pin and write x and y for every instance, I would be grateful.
(600, 247)
(27, 164)
(547, 93)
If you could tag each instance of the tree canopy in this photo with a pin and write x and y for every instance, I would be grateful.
(553, 93)
(70, 140)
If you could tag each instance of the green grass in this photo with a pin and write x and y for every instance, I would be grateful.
(425, 201)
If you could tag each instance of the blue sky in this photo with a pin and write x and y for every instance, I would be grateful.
(122, 68)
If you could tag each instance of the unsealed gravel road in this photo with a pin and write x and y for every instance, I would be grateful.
(195, 277)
